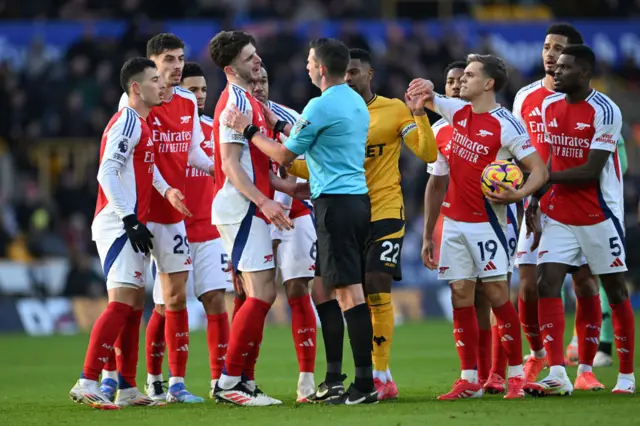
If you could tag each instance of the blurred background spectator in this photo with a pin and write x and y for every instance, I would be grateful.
(55, 103)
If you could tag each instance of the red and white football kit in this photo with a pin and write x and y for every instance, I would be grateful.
(527, 107)
(474, 242)
(296, 253)
(177, 136)
(207, 253)
(243, 228)
(125, 179)
(584, 219)
(443, 132)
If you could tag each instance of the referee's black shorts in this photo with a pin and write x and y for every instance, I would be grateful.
(342, 226)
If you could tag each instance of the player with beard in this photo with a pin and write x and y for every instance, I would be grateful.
(177, 136)
(491, 370)
(474, 243)
(527, 108)
(243, 207)
(584, 218)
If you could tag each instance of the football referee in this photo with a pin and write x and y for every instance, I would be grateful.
(332, 133)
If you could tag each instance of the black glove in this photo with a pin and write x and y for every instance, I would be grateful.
(138, 234)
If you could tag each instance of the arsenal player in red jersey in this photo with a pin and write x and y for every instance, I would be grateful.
(490, 374)
(474, 243)
(527, 107)
(125, 178)
(585, 218)
(243, 207)
(177, 135)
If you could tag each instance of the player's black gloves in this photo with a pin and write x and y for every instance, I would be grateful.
(138, 234)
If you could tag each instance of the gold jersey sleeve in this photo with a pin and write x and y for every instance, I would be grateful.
(391, 124)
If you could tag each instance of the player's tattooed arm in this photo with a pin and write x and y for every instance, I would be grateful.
(589, 171)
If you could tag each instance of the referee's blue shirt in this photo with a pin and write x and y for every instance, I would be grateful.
(332, 131)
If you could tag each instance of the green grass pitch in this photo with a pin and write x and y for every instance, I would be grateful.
(37, 374)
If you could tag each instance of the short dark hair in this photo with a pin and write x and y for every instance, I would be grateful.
(132, 69)
(160, 43)
(333, 54)
(583, 54)
(566, 30)
(225, 46)
(454, 66)
(493, 67)
(361, 54)
(192, 69)
(262, 65)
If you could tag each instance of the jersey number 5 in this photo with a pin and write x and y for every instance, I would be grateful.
(616, 250)
(391, 252)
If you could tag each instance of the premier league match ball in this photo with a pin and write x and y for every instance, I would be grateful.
(501, 171)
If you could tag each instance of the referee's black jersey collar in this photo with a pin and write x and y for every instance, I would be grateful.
(372, 100)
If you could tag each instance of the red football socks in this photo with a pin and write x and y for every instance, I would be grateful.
(551, 318)
(155, 343)
(245, 336)
(499, 362)
(588, 324)
(217, 340)
(103, 337)
(484, 355)
(528, 312)
(176, 333)
(624, 334)
(465, 333)
(303, 329)
(128, 343)
(509, 330)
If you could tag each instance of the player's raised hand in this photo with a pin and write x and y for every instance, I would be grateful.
(270, 117)
(302, 191)
(420, 86)
(275, 212)
(416, 103)
(427, 254)
(138, 234)
(234, 118)
(175, 197)
(508, 195)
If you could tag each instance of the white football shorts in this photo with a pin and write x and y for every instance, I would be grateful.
(473, 250)
(249, 244)
(601, 244)
(297, 251)
(122, 266)
(171, 251)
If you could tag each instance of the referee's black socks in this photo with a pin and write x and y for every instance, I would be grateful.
(333, 335)
(361, 337)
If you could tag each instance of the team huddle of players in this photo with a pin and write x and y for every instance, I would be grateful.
(185, 194)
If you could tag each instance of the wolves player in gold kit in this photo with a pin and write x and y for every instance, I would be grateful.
(392, 123)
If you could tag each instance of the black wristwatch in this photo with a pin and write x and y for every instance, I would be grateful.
(279, 127)
(249, 131)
